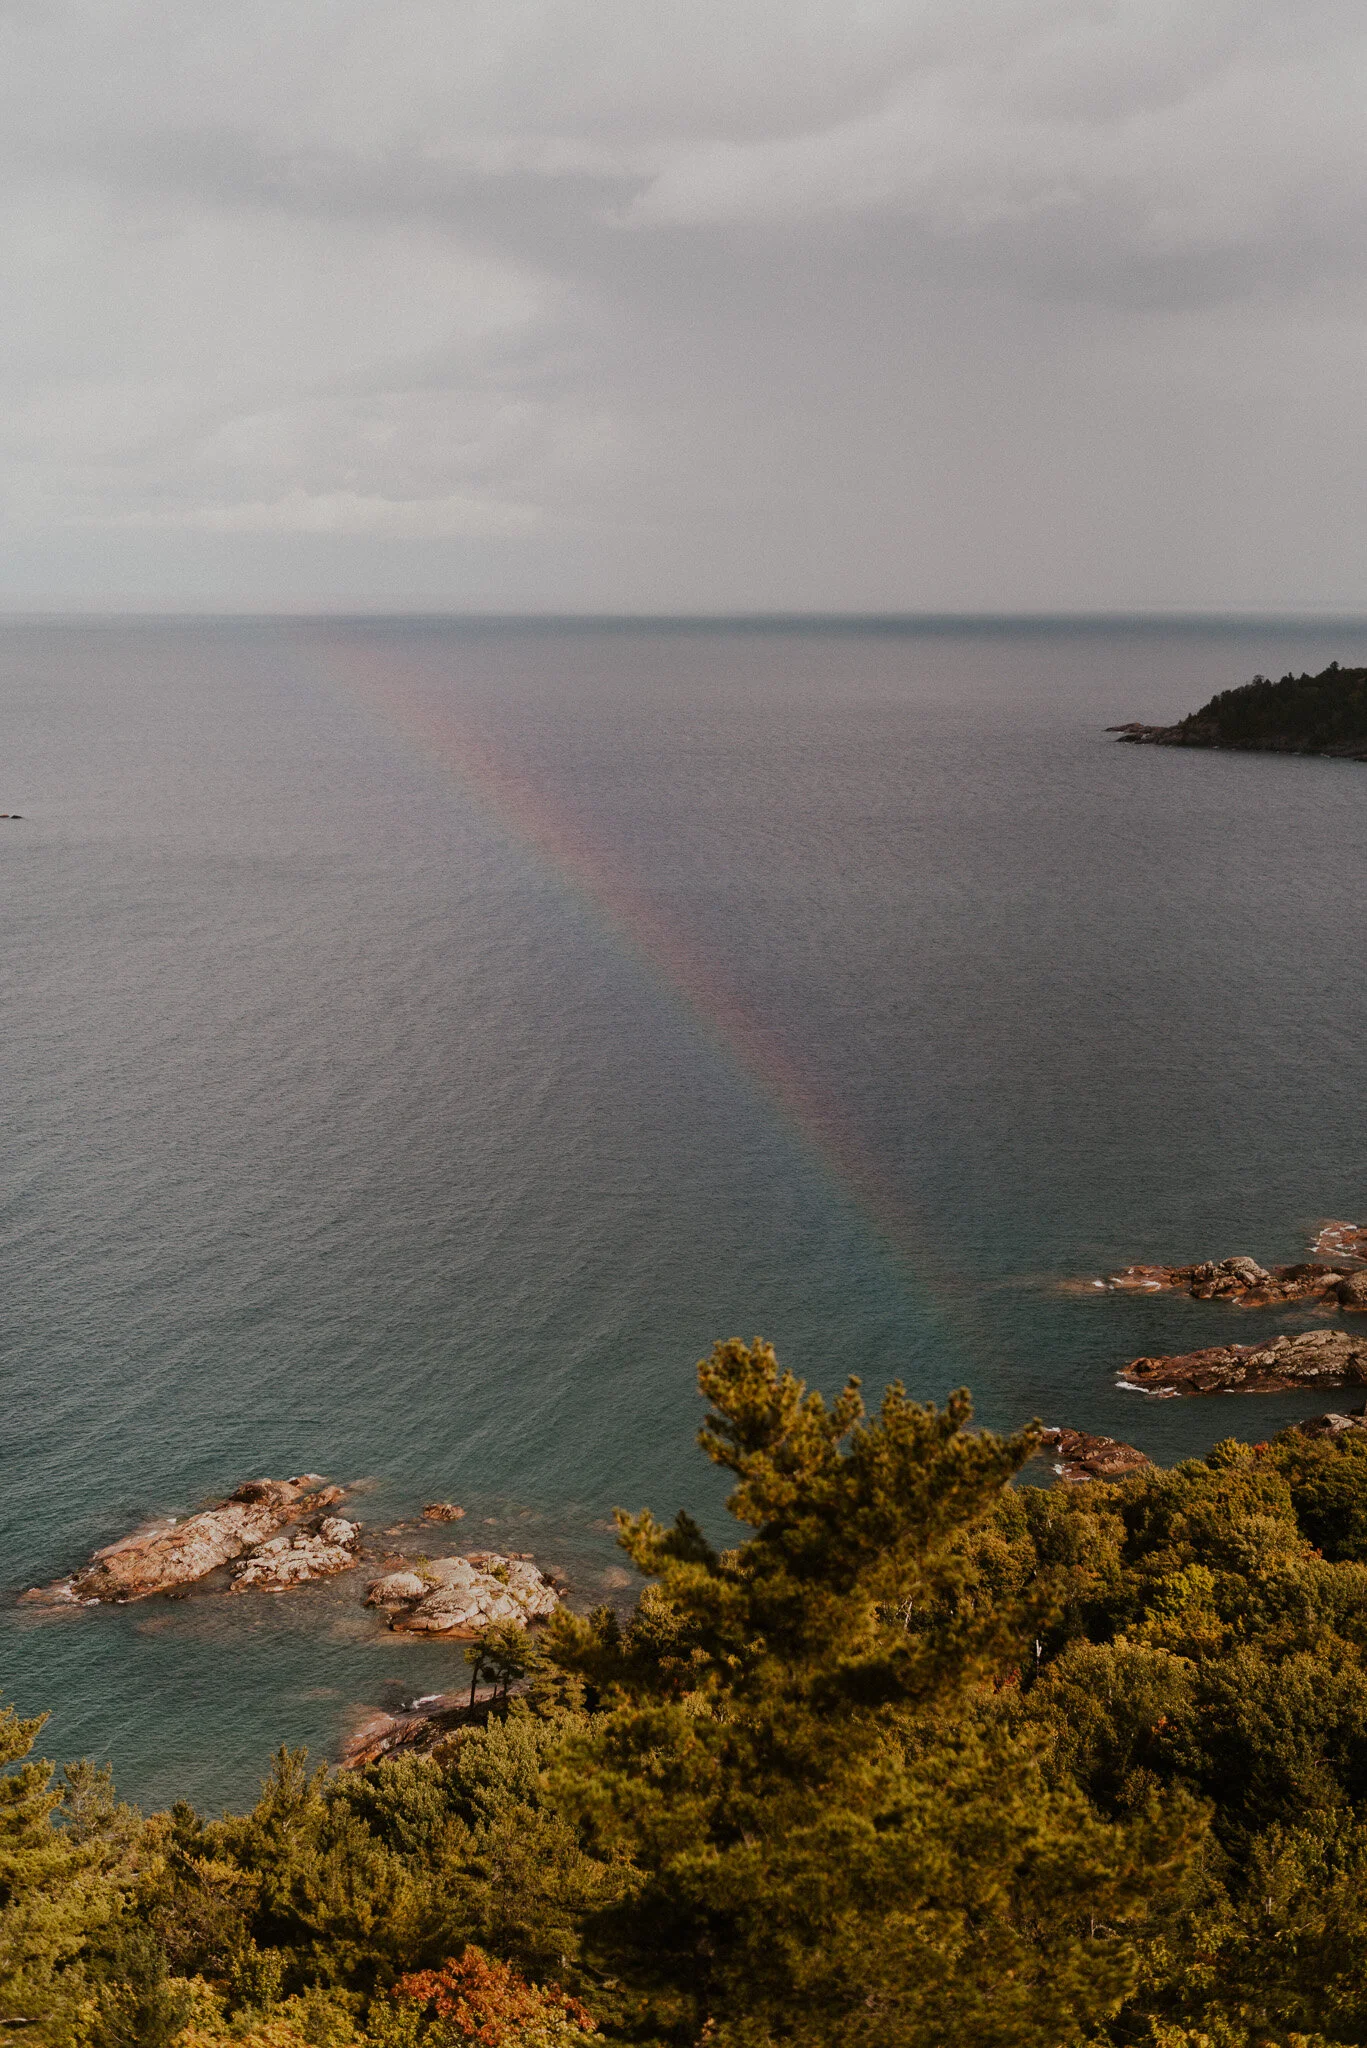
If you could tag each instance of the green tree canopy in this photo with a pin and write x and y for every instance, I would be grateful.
(832, 1832)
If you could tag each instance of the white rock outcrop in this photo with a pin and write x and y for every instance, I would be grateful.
(331, 1546)
(458, 1596)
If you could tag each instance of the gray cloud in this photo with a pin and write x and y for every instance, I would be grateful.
(1032, 303)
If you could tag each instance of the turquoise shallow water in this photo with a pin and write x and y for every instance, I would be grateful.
(422, 1039)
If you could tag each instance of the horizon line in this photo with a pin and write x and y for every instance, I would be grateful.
(1308, 614)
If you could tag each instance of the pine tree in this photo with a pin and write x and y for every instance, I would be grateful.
(53, 1896)
(503, 1652)
(834, 1836)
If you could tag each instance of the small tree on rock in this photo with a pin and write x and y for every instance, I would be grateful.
(503, 1652)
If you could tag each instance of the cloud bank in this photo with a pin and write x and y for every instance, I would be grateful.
(551, 304)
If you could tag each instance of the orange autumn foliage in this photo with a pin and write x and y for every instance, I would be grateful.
(479, 2000)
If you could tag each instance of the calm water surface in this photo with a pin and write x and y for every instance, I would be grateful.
(422, 1039)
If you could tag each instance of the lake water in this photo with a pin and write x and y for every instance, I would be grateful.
(422, 1039)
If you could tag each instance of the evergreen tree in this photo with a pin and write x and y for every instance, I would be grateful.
(927, 1758)
(502, 1652)
(53, 1895)
(832, 1833)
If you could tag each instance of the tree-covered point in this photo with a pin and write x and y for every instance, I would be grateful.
(926, 1759)
(1309, 714)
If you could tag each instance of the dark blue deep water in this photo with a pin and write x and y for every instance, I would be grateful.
(374, 1109)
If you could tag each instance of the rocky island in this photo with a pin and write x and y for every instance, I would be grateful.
(1079, 1457)
(1243, 1283)
(162, 1556)
(275, 1534)
(1305, 714)
(1314, 1358)
(1335, 1278)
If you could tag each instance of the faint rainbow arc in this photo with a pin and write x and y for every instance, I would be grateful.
(597, 879)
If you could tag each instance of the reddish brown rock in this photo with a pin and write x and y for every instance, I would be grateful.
(442, 1511)
(164, 1555)
(1310, 1280)
(1079, 1457)
(381, 1735)
(1242, 1282)
(418, 1729)
(1315, 1358)
(1224, 1279)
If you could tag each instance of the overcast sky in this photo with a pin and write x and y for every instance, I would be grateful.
(684, 304)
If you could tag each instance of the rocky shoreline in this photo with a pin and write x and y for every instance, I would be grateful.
(275, 1535)
(419, 1728)
(1205, 733)
(413, 1731)
(1352, 1424)
(1081, 1458)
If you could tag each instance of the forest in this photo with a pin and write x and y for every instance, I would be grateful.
(1319, 714)
(930, 1756)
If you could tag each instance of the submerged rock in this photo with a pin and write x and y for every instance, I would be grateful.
(1328, 1358)
(443, 1511)
(163, 1555)
(458, 1596)
(1136, 1279)
(1080, 1457)
(1342, 1241)
(317, 1553)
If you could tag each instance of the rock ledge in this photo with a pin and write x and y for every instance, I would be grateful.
(163, 1555)
(458, 1596)
(1315, 1358)
(1243, 1283)
(318, 1552)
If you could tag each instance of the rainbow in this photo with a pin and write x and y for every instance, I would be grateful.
(603, 886)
